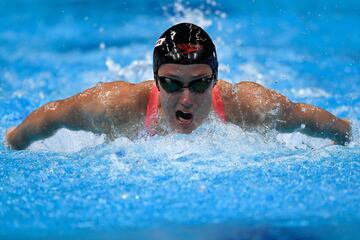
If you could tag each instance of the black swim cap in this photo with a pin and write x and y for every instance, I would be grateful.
(185, 43)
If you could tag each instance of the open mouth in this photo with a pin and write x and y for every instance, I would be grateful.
(184, 118)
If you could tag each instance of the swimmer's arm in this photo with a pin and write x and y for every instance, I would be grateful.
(40, 124)
(253, 104)
(315, 122)
(100, 109)
(83, 111)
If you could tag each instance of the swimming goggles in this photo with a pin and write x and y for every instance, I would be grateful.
(196, 86)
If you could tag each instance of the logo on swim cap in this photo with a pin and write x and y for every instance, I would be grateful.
(187, 48)
(159, 42)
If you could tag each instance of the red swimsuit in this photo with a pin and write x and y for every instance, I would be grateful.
(151, 117)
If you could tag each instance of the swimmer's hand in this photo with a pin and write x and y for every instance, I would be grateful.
(8, 137)
(346, 135)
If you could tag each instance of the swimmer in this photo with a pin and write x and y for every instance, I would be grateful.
(185, 92)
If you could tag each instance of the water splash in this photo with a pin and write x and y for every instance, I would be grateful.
(137, 70)
(204, 14)
(179, 12)
(213, 133)
(68, 141)
(310, 92)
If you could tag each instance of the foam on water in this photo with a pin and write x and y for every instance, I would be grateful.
(73, 141)
(189, 178)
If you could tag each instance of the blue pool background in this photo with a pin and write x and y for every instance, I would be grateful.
(217, 183)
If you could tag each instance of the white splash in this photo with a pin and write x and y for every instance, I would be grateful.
(136, 71)
(224, 68)
(180, 13)
(68, 141)
(298, 140)
(251, 72)
(341, 110)
(310, 92)
(102, 45)
(52, 106)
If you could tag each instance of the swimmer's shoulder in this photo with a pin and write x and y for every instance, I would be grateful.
(241, 90)
(238, 99)
(126, 86)
(246, 102)
(243, 85)
(116, 97)
(231, 92)
(128, 95)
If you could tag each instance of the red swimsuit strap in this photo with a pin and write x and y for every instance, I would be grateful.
(151, 117)
(218, 104)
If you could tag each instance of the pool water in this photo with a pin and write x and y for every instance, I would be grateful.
(219, 182)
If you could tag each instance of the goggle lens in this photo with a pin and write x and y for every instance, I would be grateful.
(197, 86)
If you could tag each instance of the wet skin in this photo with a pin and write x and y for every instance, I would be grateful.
(119, 108)
(196, 105)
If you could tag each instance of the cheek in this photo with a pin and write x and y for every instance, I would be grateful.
(204, 102)
(168, 102)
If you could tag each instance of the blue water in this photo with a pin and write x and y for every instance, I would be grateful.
(217, 183)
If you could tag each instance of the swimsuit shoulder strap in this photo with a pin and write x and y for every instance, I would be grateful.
(218, 104)
(151, 117)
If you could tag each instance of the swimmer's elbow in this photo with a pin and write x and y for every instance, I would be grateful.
(69, 115)
(54, 115)
(287, 120)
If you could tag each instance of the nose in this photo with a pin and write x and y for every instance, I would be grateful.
(186, 99)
